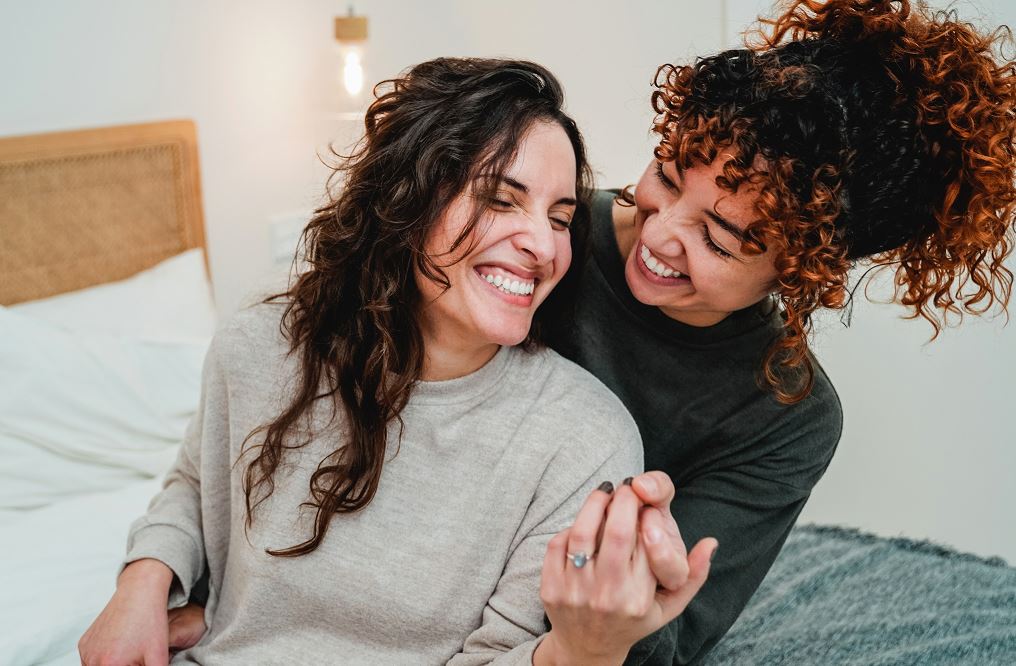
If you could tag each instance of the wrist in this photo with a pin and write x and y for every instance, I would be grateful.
(552, 651)
(147, 576)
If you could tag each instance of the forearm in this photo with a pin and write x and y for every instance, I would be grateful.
(170, 533)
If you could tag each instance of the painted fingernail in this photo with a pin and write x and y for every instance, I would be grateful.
(606, 487)
(713, 554)
(627, 481)
(653, 535)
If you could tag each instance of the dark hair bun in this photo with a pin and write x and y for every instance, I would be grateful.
(962, 94)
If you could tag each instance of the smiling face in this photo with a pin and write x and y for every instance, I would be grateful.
(686, 257)
(518, 251)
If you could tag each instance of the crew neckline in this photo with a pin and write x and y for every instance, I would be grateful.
(473, 386)
(607, 255)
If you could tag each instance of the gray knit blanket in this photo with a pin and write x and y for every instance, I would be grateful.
(837, 596)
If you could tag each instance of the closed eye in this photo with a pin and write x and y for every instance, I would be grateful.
(503, 205)
(667, 182)
(711, 244)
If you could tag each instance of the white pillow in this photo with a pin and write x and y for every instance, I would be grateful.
(120, 405)
(171, 301)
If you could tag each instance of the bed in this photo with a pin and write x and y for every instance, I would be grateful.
(106, 315)
(840, 596)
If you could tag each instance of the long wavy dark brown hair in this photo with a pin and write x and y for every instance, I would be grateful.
(884, 132)
(444, 127)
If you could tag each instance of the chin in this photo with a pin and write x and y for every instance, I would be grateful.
(511, 339)
(507, 334)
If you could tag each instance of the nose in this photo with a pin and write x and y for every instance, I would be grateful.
(664, 233)
(536, 240)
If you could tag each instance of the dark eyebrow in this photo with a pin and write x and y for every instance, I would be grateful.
(725, 225)
(516, 184)
(511, 182)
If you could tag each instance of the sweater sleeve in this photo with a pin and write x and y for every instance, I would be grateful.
(171, 529)
(513, 619)
(750, 509)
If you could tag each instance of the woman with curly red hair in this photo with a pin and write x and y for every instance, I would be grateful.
(857, 130)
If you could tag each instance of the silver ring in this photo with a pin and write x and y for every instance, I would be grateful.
(579, 559)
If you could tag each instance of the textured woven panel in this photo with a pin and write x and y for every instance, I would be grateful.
(97, 214)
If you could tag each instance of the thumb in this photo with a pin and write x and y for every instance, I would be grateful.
(655, 488)
(673, 602)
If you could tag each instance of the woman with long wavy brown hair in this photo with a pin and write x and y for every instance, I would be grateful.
(424, 446)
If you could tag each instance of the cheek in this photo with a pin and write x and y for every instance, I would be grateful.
(427, 290)
(647, 184)
(764, 275)
(738, 286)
(562, 255)
(715, 276)
(443, 234)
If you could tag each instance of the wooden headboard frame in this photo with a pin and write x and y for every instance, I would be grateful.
(85, 207)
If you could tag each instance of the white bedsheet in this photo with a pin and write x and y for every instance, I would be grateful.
(58, 568)
(98, 387)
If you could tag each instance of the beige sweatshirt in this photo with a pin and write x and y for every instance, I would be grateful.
(443, 566)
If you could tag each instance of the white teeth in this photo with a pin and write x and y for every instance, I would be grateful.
(509, 286)
(657, 266)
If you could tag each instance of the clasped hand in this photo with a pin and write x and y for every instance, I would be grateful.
(618, 574)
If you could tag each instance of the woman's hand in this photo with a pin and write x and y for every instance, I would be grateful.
(599, 610)
(132, 628)
(668, 556)
(186, 626)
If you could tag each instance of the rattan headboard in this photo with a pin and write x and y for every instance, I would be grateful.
(91, 206)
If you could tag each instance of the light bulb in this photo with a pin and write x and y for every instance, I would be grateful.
(352, 72)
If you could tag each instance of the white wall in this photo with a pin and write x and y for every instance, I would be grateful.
(928, 447)
(260, 80)
(257, 77)
(929, 441)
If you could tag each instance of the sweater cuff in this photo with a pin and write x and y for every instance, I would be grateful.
(173, 547)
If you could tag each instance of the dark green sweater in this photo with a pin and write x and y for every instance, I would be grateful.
(743, 463)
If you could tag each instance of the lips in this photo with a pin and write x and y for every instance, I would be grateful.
(508, 271)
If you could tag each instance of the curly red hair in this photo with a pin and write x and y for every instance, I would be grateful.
(872, 129)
